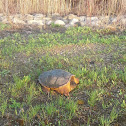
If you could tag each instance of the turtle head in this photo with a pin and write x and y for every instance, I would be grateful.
(73, 82)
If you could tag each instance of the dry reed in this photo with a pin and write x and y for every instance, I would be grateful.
(79, 7)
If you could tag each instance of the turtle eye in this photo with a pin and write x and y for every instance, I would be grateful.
(72, 82)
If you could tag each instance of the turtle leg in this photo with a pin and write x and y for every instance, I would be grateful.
(72, 87)
(64, 90)
(67, 94)
(53, 92)
(46, 89)
(49, 90)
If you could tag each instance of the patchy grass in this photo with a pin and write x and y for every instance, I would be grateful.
(4, 26)
(96, 57)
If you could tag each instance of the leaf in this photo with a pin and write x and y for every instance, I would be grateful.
(80, 102)
(20, 121)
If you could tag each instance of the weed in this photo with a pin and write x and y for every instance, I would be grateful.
(19, 85)
(104, 121)
(113, 76)
(104, 106)
(88, 121)
(24, 116)
(60, 101)
(4, 72)
(32, 112)
(99, 83)
(113, 114)
(54, 25)
(123, 105)
(4, 26)
(104, 79)
(3, 107)
(14, 104)
(93, 98)
(122, 75)
(31, 93)
(93, 75)
(71, 107)
(50, 109)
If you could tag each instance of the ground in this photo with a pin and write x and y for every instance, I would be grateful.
(96, 56)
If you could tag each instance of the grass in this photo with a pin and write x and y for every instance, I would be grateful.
(4, 26)
(96, 57)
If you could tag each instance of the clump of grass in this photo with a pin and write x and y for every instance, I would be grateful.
(55, 25)
(4, 26)
(50, 109)
(3, 107)
(123, 105)
(14, 104)
(32, 112)
(31, 93)
(71, 107)
(106, 121)
(93, 98)
(4, 72)
(60, 101)
(19, 86)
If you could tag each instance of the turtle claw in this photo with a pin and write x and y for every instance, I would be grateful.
(67, 94)
(53, 93)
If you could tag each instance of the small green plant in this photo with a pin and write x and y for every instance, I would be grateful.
(113, 114)
(31, 93)
(32, 112)
(104, 105)
(60, 101)
(123, 105)
(50, 108)
(113, 76)
(88, 121)
(93, 98)
(99, 83)
(71, 107)
(14, 104)
(55, 25)
(4, 26)
(3, 107)
(19, 86)
(4, 72)
(104, 121)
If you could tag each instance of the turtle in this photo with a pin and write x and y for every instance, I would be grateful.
(58, 80)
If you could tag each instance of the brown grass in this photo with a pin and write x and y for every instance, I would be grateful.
(80, 7)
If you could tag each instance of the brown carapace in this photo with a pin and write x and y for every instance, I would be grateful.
(58, 80)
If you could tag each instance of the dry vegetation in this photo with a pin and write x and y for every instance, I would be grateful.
(80, 7)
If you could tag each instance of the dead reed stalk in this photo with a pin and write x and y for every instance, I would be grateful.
(80, 7)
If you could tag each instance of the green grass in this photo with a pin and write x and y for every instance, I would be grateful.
(4, 26)
(96, 57)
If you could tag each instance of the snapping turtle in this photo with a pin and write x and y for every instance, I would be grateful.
(58, 80)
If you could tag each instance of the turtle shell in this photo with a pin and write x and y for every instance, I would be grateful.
(54, 78)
